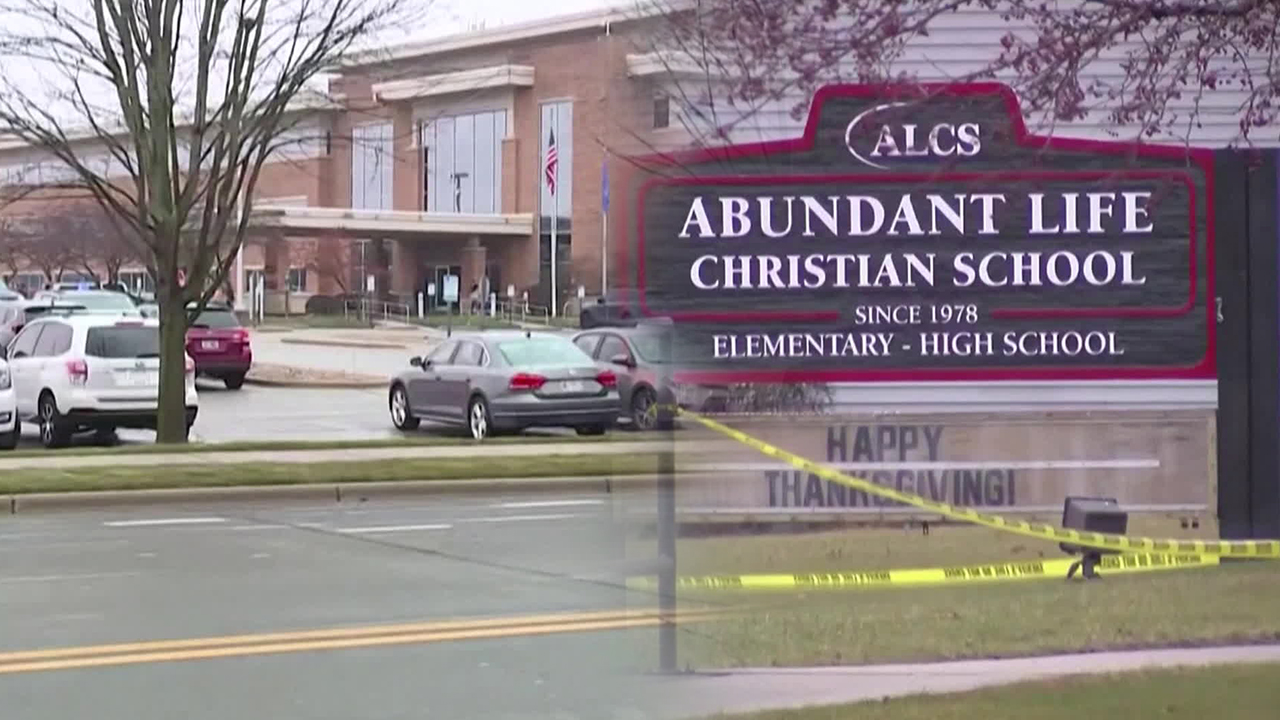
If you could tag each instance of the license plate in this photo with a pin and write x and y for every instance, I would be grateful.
(573, 386)
(136, 378)
(210, 344)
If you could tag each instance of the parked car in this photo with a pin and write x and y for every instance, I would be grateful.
(104, 302)
(613, 309)
(10, 428)
(12, 314)
(503, 381)
(637, 356)
(79, 372)
(220, 345)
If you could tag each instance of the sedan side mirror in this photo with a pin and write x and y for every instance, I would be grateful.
(623, 359)
(416, 361)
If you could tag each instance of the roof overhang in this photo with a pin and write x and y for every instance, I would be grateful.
(403, 225)
(494, 76)
(669, 64)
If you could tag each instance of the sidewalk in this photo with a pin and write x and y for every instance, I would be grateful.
(754, 690)
(54, 460)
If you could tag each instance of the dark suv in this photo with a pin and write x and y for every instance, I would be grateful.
(616, 308)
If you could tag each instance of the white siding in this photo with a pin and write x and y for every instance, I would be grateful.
(303, 141)
(962, 43)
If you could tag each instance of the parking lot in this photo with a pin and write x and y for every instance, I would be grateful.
(260, 413)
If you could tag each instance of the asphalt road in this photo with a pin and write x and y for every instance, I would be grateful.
(85, 578)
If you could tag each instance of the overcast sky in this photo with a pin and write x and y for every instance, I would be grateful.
(455, 15)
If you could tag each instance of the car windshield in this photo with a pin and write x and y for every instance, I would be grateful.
(649, 347)
(527, 352)
(101, 301)
(123, 342)
(216, 319)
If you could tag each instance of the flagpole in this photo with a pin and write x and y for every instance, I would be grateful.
(555, 214)
(604, 230)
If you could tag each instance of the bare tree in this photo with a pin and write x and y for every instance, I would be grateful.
(166, 111)
(11, 246)
(101, 247)
(48, 243)
(1166, 55)
(333, 262)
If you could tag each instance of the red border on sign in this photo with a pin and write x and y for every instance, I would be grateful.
(1201, 158)
(830, 315)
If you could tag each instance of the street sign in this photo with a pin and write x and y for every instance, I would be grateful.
(451, 288)
(431, 289)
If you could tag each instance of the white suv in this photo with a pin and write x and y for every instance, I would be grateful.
(10, 430)
(90, 372)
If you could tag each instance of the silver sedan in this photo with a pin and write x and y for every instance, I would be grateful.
(506, 381)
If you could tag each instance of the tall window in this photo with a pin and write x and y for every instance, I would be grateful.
(372, 152)
(297, 279)
(462, 156)
(661, 111)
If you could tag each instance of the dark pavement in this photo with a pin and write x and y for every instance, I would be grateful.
(74, 579)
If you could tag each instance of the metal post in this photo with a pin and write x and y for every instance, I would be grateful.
(666, 520)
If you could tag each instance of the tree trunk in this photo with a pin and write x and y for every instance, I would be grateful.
(171, 424)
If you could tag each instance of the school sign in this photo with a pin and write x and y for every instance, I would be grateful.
(922, 233)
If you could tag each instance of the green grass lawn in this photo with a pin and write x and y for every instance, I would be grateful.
(833, 626)
(282, 445)
(140, 477)
(1230, 692)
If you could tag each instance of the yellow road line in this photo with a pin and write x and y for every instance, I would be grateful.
(336, 643)
(330, 633)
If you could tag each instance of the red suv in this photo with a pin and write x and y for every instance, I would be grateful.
(220, 346)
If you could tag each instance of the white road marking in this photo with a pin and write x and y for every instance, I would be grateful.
(393, 528)
(166, 521)
(546, 504)
(52, 578)
(263, 526)
(521, 518)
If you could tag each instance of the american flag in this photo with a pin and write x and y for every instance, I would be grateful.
(552, 162)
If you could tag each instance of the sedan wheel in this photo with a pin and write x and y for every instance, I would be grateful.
(400, 415)
(478, 419)
(644, 415)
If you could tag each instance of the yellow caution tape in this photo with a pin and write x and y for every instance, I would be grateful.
(924, 577)
(1256, 549)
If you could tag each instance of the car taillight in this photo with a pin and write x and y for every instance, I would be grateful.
(78, 371)
(526, 381)
(240, 336)
(607, 379)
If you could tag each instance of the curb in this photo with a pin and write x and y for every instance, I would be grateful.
(325, 492)
(346, 385)
(345, 344)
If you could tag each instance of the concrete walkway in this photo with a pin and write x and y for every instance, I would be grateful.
(755, 690)
(413, 452)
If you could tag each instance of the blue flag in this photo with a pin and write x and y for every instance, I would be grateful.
(604, 185)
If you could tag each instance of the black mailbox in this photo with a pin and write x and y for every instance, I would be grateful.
(1101, 515)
